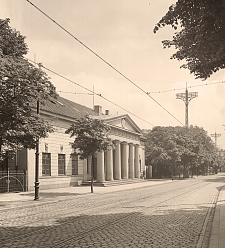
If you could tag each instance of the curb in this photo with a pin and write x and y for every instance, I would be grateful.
(205, 234)
(216, 230)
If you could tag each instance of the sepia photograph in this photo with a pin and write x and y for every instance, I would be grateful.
(112, 123)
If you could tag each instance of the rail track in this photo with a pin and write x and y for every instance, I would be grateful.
(81, 208)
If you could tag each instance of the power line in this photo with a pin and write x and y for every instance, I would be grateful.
(75, 93)
(56, 34)
(103, 60)
(92, 92)
(199, 85)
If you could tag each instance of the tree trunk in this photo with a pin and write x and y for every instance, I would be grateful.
(92, 174)
(0, 153)
(172, 172)
(184, 166)
(179, 171)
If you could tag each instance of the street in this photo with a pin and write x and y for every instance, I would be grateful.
(173, 214)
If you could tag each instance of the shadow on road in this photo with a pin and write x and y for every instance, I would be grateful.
(218, 179)
(144, 227)
(51, 194)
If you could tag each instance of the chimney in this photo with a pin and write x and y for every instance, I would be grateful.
(106, 112)
(98, 109)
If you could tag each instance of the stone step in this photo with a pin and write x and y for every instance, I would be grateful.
(114, 182)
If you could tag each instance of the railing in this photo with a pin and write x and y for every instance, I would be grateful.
(13, 181)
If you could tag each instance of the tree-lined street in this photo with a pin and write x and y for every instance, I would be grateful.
(110, 47)
(172, 214)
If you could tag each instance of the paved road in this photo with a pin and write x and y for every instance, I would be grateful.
(177, 214)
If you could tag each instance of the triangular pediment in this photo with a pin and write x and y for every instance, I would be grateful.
(122, 122)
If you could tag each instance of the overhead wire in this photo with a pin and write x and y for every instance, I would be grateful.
(56, 34)
(75, 93)
(93, 93)
(103, 60)
(189, 87)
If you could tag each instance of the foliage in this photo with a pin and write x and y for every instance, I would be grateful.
(21, 85)
(168, 147)
(201, 40)
(161, 148)
(91, 136)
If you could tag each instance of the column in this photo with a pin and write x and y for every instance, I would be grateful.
(109, 165)
(85, 170)
(100, 167)
(136, 162)
(143, 160)
(124, 161)
(131, 160)
(117, 161)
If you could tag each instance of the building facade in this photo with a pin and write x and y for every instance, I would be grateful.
(59, 166)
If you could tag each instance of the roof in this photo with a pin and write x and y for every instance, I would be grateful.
(69, 109)
(66, 108)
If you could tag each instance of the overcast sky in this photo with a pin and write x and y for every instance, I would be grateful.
(121, 32)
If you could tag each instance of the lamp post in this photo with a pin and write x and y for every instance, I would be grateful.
(36, 197)
(36, 184)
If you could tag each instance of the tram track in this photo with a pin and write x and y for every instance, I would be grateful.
(80, 235)
(68, 203)
(90, 209)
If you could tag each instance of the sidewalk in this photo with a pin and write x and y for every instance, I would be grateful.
(217, 239)
(13, 200)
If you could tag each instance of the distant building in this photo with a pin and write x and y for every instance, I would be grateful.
(59, 167)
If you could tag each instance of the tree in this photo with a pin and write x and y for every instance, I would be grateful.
(91, 136)
(161, 150)
(201, 40)
(21, 85)
(169, 147)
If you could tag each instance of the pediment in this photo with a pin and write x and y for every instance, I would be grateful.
(122, 122)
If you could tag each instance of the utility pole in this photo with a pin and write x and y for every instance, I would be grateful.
(186, 97)
(36, 197)
(36, 183)
(215, 135)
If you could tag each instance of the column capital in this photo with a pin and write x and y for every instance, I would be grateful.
(116, 142)
(131, 144)
(124, 143)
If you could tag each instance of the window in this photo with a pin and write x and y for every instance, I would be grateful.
(74, 164)
(61, 164)
(46, 164)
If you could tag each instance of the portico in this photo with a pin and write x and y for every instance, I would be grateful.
(121, 162)
(126, 159)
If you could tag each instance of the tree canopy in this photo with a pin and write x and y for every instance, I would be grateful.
(21, 85)
(91, 136)
(201, 40)
(168, 147)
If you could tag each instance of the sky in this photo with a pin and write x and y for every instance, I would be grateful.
(120, 32)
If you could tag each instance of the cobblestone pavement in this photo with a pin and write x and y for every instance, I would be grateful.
(177, 214)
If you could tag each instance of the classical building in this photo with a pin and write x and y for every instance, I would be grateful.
(58, 164)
